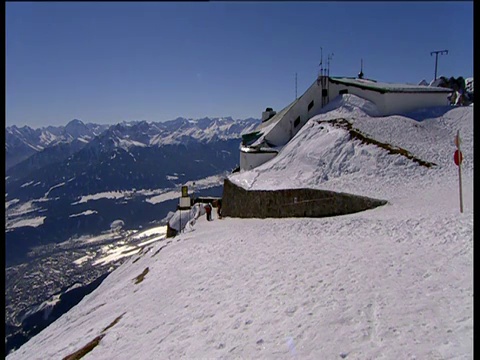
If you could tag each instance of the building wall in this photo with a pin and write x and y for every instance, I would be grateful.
(250, 160)
(287, 128)
(391, 103)
(238, 202)
(377, 98)
(398, 103)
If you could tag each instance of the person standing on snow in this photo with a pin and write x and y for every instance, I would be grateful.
(208, 210)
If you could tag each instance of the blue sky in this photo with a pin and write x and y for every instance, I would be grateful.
(107, 62)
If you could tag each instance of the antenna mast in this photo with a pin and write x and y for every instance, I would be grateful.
(441, 52)
(360, 74)
(319, 78)
(330, 56)
(296, 86)
(321, 61)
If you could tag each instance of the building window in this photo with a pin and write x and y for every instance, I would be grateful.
(296, 122)
(310, 106)
(344, 91)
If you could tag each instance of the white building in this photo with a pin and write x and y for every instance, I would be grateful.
(264, 143)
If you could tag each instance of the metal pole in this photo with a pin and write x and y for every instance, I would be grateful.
(328, 77)
(460, 186)
(330, 56)
(319, 78)
(180, 211)
(328, 65)
(459, 171)
(441, 52)
(296, 97)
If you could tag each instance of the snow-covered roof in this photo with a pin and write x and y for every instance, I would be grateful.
(383, 87)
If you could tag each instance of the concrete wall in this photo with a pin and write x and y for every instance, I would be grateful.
(250, 159)
(241, 203)
(398, 103)
(377, 98)
(391, 103)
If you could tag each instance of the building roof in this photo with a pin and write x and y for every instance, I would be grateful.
(382, 87)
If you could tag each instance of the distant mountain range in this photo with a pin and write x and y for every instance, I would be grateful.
(23, 142)
(50, 169)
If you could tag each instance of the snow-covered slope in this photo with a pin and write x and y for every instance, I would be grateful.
(395, 282)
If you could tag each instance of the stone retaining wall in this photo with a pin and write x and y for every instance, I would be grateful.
(241, 203)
